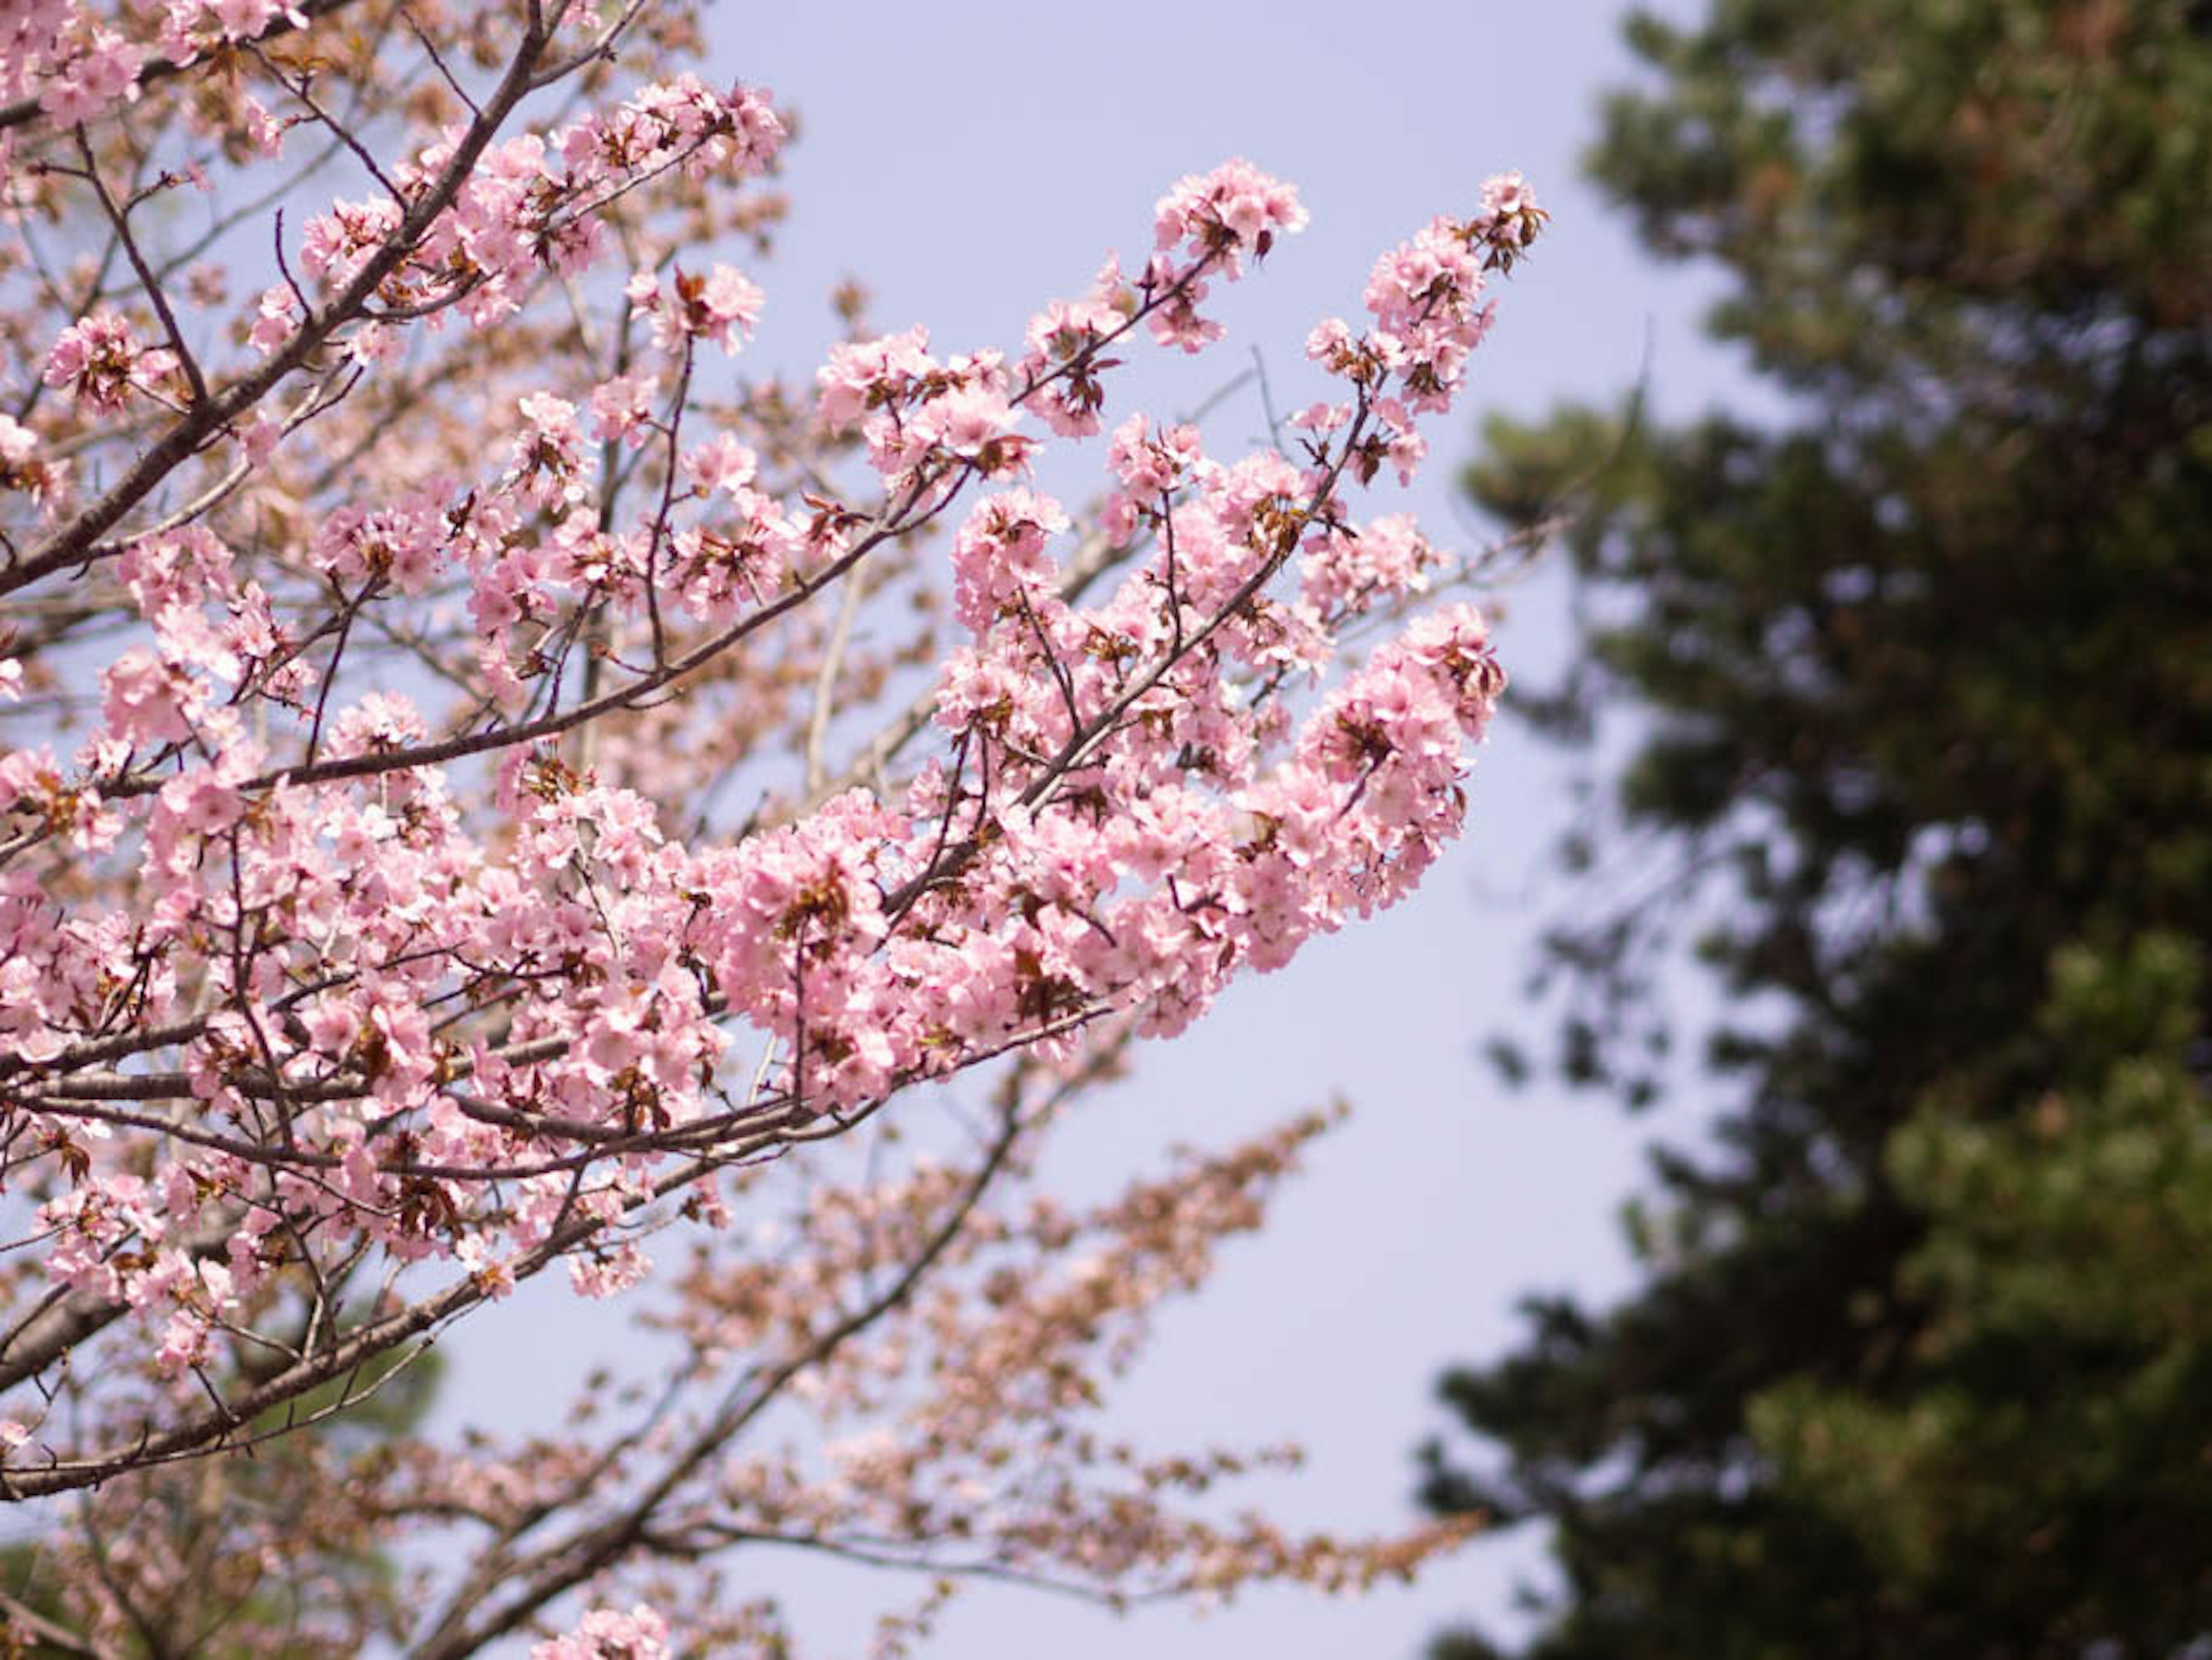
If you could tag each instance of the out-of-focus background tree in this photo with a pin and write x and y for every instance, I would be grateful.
(1920, 684)
(220, 1559)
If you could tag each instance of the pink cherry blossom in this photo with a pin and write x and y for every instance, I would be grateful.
(99, 361)
(489, 791)
(605, 1634)
(100, 72)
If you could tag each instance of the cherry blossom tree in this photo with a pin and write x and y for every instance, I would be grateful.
(486, 788)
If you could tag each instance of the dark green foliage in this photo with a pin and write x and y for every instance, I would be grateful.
(1922, 676)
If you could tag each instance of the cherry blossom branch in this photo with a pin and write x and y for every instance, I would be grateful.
(559, 1567)
(75, 543)
(326, 1019)
(24, 110)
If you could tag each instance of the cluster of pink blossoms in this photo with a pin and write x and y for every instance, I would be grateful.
(1104, 833)
(421, 982)
(190, 28)
(73, 65)
(1229, 215)
(482, 800)
(23, 468)
(99, 361)
(536, 201)
(608, 1634)
(720, 307)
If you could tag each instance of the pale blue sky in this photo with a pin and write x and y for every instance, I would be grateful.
(969, 162)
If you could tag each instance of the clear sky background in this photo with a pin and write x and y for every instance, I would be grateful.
(969, 162)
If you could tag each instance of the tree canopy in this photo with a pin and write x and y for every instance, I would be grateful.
(1919, 680)
(493, 788)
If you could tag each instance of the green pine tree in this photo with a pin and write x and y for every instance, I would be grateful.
(1921, 1363)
